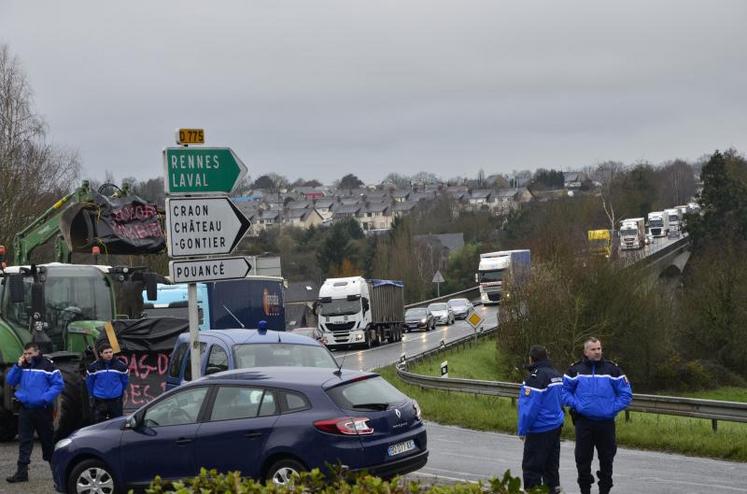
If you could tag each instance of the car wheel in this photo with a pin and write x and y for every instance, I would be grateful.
(91, 477)
(281, 472)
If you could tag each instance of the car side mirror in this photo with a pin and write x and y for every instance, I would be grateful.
(15, 285)
(477, 278)
(132, 422)
(365, 304)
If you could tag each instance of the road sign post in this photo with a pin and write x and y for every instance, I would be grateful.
(202, 225)
(199, 226)
(201, 170)
(438, 278)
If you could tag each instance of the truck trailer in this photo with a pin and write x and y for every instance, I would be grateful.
(357, 311)
(495, 267)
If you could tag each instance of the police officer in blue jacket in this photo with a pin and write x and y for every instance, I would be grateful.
(596, 390)
(540, 421)
(37, 385)
(106, 382)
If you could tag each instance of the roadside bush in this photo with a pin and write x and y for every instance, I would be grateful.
(314, 482)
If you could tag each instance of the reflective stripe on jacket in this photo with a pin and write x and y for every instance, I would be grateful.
(107, 380)
(37, 384)
(540, 400)
(596, 390)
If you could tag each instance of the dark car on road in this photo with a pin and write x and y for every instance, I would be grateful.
(460, 307)
(265, 422)
(419, 318)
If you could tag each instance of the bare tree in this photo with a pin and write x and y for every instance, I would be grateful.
(606, 173)
(34, 173)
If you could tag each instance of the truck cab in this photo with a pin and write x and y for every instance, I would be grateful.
(632, 233)
(658, 224)
(495, 268)
(674, 217)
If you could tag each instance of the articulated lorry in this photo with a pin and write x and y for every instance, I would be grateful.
(658, 224)
(357, 311)
(225, 304)
(632, 233)
(497, 267)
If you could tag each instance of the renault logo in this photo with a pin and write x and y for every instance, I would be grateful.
(399, 414)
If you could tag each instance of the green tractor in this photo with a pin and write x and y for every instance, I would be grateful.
(63, 308)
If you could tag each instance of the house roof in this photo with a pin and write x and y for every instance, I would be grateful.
(375, 208)
(298, 204)
(270, 214)
(325, 203)
(404, 206)
(481, 194)
(348, 209)
(400, 194)
(508, 192)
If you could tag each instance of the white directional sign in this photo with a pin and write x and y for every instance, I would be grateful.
(203, 225)
(226, 268)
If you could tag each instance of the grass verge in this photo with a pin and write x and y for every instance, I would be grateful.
(644, 431)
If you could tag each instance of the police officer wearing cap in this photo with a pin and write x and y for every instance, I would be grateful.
(596, 390)
(540, 422)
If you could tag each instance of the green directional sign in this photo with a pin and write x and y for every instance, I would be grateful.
(201, 170)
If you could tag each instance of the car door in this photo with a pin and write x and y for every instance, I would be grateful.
(163, 442)
(236, 429)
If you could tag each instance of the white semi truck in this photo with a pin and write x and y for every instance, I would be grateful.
(675, 219)
(357, 311)
(632, 233)
(495, 267)
(658, 224)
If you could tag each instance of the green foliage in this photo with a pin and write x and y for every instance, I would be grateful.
(461, 269)
(548, 179)
(350, 181)
(314, 482)
(566, 302)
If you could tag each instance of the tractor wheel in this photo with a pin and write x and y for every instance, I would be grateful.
(71, 408)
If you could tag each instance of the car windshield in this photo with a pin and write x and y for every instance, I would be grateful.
(374, 390)
(434, 307)
(416, 313)
(674, 218)
(628, 232)
(282, 355)
(340, 307)
(496, 275)
(460, 302)
(657, 223)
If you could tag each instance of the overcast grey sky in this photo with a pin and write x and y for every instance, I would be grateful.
(321, 88)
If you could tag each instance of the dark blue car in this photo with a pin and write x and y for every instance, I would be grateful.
(265, 422)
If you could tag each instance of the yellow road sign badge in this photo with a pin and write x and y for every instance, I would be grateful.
(474, 319)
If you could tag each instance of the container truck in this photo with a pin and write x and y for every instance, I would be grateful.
(225, 304)
(658, 224)
(674, 218)
(495, 267)
(357, 311)
(632, 233)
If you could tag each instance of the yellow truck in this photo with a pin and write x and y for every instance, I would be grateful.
(600, 242)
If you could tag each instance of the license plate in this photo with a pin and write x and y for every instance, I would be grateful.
(399, 448)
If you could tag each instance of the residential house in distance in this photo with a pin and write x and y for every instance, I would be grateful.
(400, 209)
(375, 216)
(479, 199)
(325, 207)
(303, 217)
(400, 195)
(343, 211)
(574, 180)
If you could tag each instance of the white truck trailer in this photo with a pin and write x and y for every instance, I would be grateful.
(658, 224)
(675, 220)
(632, 233)
(495, 267)
(357, 311)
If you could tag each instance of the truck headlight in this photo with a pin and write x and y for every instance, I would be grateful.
(359, 337)
(423, 321)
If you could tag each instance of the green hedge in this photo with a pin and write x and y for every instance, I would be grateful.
(314, 482)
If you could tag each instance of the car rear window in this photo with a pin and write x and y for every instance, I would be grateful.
(375, 392)
(282, 355)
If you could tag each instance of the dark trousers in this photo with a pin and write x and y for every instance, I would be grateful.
(30, 420)
(542, 459)
(591, 434)
(106, 409)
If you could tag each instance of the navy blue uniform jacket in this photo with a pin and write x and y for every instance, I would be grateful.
(596, 390)
(38, 383)
(540, 400)
(107, 380)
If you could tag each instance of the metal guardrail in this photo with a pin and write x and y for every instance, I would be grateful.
(713, 410)
(443, 297)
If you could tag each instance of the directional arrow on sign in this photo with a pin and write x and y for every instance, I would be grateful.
(226, 268)
(201, 170)
(200, 226)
